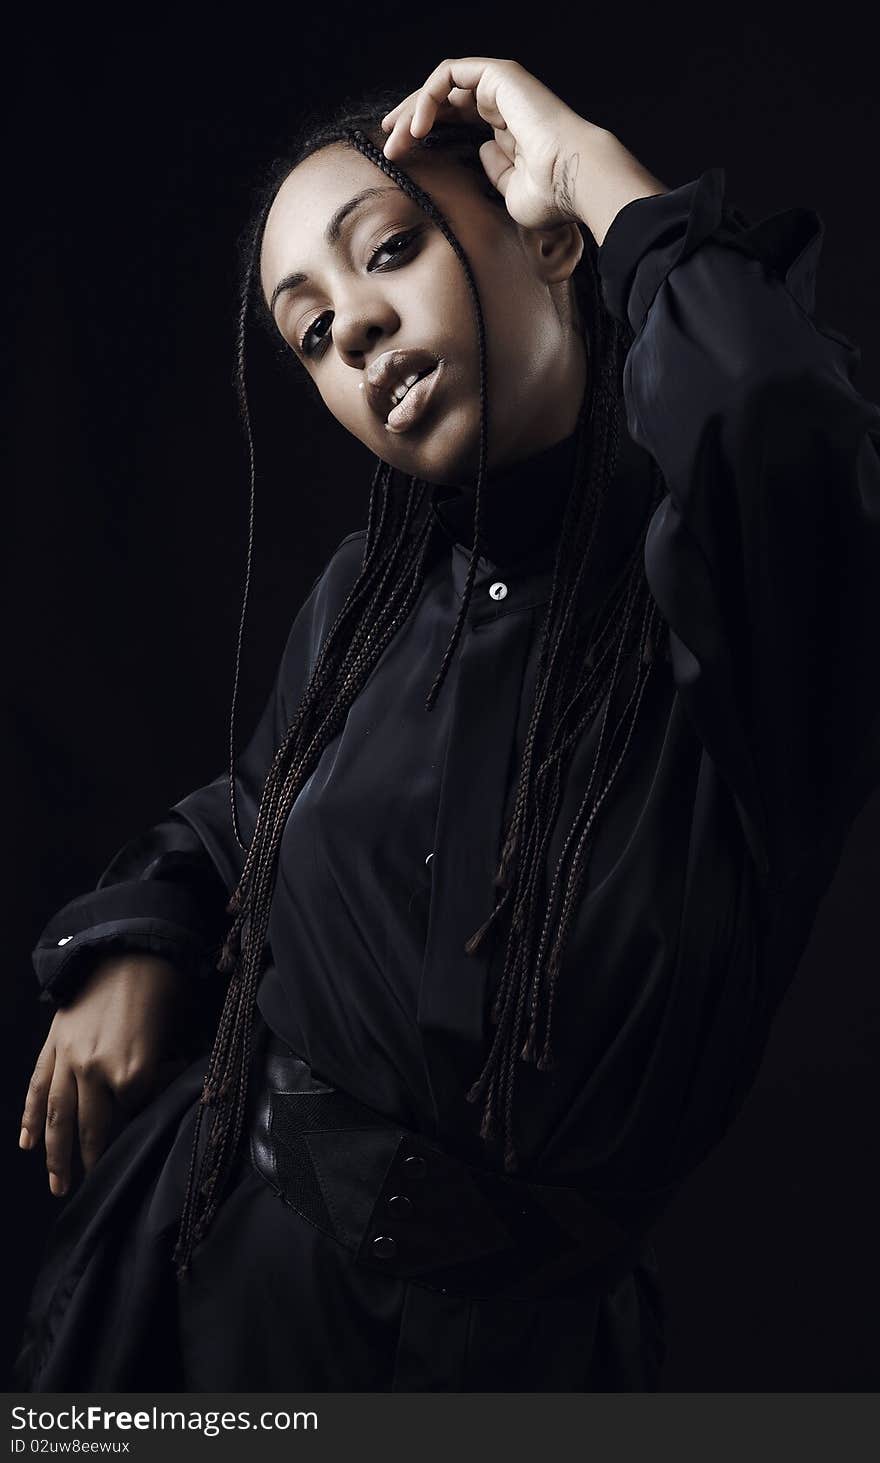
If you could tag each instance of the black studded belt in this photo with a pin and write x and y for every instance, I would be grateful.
(407, 1207)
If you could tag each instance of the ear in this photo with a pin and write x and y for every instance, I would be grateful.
(554, 252)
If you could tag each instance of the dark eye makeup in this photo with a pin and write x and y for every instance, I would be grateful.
(406, 240)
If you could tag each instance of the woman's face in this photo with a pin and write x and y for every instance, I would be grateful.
(387, 283)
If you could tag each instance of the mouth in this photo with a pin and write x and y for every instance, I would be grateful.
(411, 400)
(398, 385)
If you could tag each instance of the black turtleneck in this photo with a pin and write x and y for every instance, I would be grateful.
(522, 504)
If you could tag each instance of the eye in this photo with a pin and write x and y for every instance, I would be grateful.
(395, 247)
(316, 337)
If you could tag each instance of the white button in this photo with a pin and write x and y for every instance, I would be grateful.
(498, 590)
(430, 856)
(64, 939)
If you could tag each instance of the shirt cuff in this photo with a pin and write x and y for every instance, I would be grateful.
(157, 918)
(649, 236)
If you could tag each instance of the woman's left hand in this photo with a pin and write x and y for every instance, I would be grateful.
(549, 163)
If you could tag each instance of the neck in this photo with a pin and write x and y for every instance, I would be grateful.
(521, 505)
(523, 502)
(524, 505)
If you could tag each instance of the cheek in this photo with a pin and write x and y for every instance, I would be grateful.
(507, 302)
(341, 394)
(506, 305)
(433, 302)
(520, 348)
(508, 357)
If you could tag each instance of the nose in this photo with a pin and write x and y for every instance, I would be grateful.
(359, 326)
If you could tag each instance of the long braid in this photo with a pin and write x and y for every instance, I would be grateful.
(571, 686)
(226, 1080)
(375, 155)
(528, 982)
(247, 285)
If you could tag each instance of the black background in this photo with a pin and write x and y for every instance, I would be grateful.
(129, 172)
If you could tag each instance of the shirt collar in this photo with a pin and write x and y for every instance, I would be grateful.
(521, 505)
(522, 516)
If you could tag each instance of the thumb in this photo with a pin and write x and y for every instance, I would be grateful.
(497, 165)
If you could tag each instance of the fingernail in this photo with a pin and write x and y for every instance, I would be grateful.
(58, 1185)
(24, 1138)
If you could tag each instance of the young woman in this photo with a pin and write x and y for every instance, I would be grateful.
(501, 896)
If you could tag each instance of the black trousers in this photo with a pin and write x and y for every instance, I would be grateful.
(272, 1302)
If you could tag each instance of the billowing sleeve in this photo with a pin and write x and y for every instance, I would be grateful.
(166, 890)
(764, 554)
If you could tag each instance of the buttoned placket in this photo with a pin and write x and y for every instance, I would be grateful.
(487, 691)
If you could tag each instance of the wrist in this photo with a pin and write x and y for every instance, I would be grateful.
(597, 176)
(139, 966)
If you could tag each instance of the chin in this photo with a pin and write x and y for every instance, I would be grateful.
(447, 452)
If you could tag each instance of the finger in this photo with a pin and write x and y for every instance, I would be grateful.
(443, 98)
(60, 1122)
(33, 1119)
(460, 105)
(399, 138)
(94, 1102)
(507, 143)
(477, 74)
(497, 165)
(426, 109)
(391, 117)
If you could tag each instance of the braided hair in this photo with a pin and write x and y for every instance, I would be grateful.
(586, 664)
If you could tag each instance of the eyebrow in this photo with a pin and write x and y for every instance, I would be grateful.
(332, 235)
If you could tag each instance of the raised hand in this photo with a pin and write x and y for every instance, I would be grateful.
(549, 163)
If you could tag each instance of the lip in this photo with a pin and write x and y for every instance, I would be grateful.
(390, 370)
(413, 406)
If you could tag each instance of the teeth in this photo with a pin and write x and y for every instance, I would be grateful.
(400, 391)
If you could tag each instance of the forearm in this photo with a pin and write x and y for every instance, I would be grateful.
(599, 176)
(762, 555)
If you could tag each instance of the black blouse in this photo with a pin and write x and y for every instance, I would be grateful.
(756, 745)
